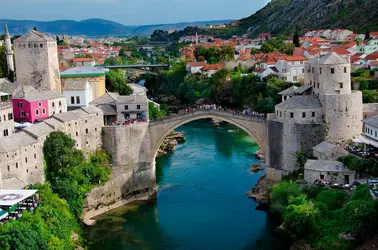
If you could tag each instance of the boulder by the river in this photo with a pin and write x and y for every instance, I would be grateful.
(170, 142)
(255, 168)
(300, 245)
(260, 193)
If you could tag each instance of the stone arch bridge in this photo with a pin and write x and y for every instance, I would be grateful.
(254, 126)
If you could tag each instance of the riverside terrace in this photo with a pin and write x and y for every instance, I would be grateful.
(14, 202)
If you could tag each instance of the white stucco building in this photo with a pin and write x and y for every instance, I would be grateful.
(291, 69)
(78, 93)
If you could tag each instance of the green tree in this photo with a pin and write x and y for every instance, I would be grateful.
(360, 216)
(156, 113)
(267, 47)
(367, 34)
(284, 191)
(296, 38)
(228, 53)
(116, 82)
(334, 199)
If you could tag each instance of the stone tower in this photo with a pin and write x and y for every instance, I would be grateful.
(342, 107)
(8, 50)
(37, 61)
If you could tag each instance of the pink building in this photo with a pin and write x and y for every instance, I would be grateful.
(30, 105)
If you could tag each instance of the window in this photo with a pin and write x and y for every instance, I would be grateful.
(320, 70)
(35, 156)
(295, 78)
(337, 92)
(77, 134)
(53, 104)
(322, 176)
(303, 71)
(304, 115)
(36, 112)
(26, 159)
(16, 165)
(5, 132)
(20, 105)
(345, 70)
(318, 85)
(8, 168)
(77, 99)
(41, 45)
(43, 111)
(21, 113)
(341, 85)
(39, 104)
(10, 116)
(280, 113)
(291, 115)
(72, 100)
(86, 131)
(312, 70)
(138, 106)
(332, 70)
(95, 129)
(60, 103)
(375, 133)
(126, 107)
(313, 114)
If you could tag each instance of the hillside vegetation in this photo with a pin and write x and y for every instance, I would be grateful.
(283, 16)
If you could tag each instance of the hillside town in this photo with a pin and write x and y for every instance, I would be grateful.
(322, 127)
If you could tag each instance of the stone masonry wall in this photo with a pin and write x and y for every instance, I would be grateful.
(285, 140)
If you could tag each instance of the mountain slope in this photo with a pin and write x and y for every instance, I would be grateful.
(95, 27)
(283, 16)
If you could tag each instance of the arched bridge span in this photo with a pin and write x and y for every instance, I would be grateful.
(254, 126)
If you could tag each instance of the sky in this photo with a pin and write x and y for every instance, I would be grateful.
(130, 12)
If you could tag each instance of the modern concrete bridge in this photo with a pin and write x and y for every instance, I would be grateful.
(254, 126)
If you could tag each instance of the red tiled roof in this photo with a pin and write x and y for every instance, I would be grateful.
(209, 67)
(372, 56)
(196, 64)
(295, 58)
(374, 63)
(82, 60)
(259, 70)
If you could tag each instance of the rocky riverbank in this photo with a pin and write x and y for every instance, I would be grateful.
(260, 193)
(170, 142)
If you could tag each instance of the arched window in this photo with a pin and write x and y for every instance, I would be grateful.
(53, 104)
(16, 165)
(8, 168)
(37, 112)
(39, 104)
(41, 45)
(43, 111)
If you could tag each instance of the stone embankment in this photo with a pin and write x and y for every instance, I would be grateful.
(170, 142)
(260, 193)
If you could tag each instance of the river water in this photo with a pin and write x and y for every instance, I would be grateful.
(201, 203)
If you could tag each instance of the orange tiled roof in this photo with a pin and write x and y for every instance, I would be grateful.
(197, 64)
(372, 56)
(82, 60)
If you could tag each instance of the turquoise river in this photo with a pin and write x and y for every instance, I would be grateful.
(201, 202)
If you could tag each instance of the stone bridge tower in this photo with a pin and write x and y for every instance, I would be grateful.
(37, 61)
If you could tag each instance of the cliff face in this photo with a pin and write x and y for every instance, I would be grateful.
(283, 16)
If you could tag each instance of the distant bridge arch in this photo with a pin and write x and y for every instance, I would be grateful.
(254, 126)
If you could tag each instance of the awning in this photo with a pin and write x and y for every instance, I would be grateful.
(9, 197)
(23, 125)
(365, 140)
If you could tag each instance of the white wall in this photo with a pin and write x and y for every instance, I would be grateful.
(55, 108)
(86, 96)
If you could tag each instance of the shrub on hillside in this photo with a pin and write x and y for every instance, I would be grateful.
(283, 191)
(334, 199)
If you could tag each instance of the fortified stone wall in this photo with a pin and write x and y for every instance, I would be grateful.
(343, 115)
(285, 140)
(133, 173)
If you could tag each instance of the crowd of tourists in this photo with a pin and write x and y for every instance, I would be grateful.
(245, 112)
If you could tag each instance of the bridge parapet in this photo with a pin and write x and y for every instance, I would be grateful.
(202, 112)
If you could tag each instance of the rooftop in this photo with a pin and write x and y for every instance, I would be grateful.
(326, 166)
(301, 102)
(83, 71)
(70, 116)
(7, 86)
(10, 197)
(302, 89)
(75, 84)
(324, 147)
(332, 58)
(38, 130)
(288, 91)
(34, 36)
(370, 107)
(31, 94)
(16, 141)
(372, 121)
(107, 98)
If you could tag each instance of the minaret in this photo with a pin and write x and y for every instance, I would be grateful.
(8, 50)
(196, 38)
